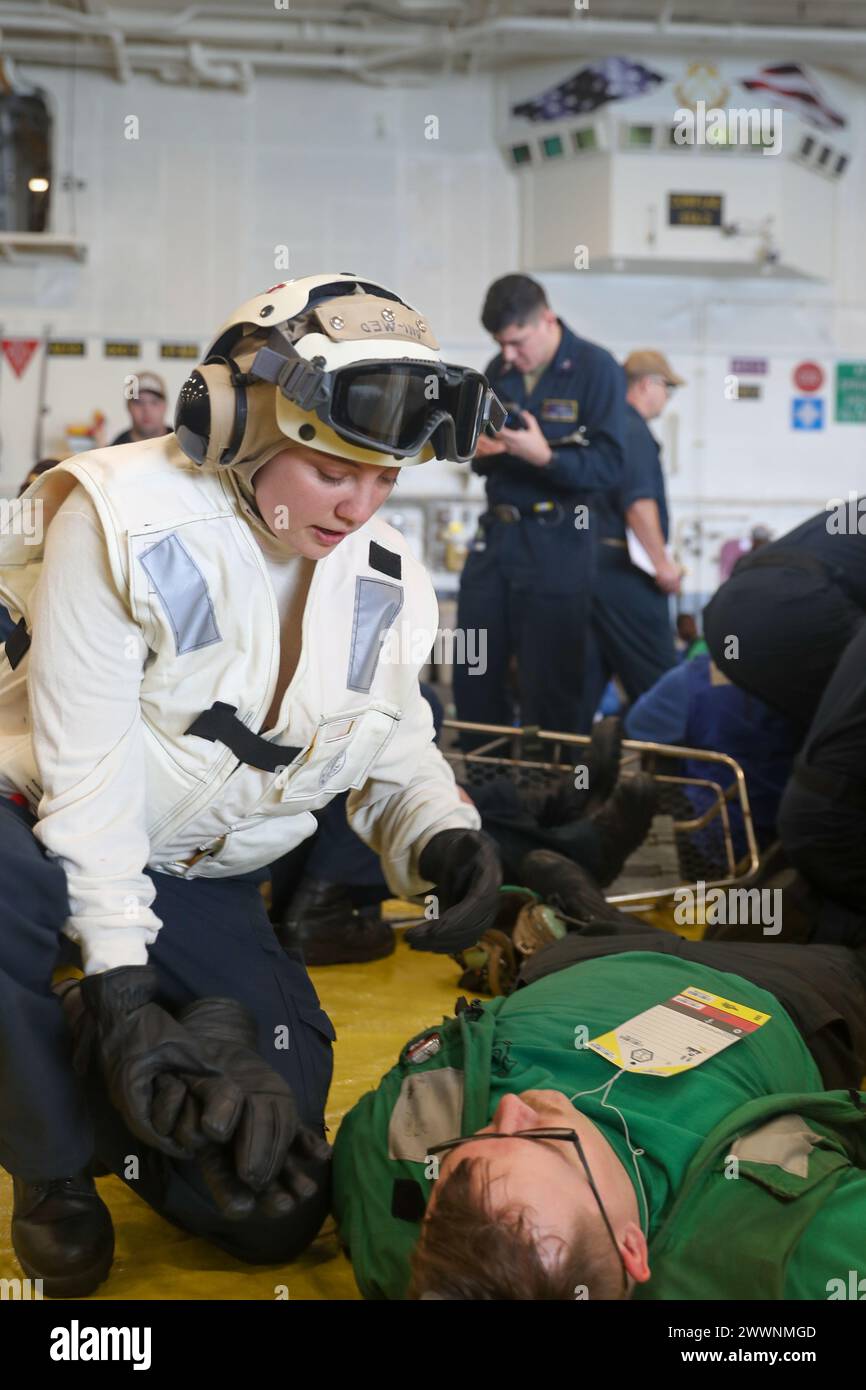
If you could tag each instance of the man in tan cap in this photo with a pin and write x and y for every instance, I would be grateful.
(146, 407)
(630, 633)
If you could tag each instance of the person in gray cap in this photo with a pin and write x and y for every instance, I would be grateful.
(630, 634)
(146, 410)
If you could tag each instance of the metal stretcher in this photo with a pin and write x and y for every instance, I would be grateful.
(691, 837)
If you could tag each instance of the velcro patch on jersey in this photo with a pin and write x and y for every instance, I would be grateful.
(385, 561)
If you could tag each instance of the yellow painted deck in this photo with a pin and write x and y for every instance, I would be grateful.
(374, 1008)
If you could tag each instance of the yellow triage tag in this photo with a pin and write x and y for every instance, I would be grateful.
(678, 1034)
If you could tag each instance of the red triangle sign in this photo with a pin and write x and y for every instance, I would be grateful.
(18, 352)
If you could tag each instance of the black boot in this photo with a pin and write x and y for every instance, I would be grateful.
(570, 803)
(62, 1234)
(623, 824)
(567, 888)
(322, 921)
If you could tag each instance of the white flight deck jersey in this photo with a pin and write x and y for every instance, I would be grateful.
(185, 562)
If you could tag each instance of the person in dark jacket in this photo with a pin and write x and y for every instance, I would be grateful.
(528, 578)
(695, 706)
(788, 626)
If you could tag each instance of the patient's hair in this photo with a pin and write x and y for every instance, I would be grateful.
(470, 1251)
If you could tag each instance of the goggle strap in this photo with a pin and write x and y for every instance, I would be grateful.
(297, 379)
(441, 438)
(495, 413)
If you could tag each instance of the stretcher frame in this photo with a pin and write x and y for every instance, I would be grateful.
(502, 751)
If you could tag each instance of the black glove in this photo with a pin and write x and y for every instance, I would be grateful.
(464, 866)
(138, 1042)
(236, 1201)
(248, 1147)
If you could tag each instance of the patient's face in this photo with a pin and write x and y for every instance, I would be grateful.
(547, 1179)
(546, 1176)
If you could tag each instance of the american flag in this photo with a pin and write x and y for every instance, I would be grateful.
(794, 88)
(610, 80)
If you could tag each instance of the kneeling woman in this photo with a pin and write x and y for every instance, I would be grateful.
(197, 668)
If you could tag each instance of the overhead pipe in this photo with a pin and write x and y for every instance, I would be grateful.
(292, 27)
(120, 41)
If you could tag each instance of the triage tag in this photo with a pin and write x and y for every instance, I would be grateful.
(678, 1034)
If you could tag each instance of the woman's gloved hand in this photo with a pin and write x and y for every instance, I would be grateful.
(464, 866)
(250, 1146)
(138, 1043)
(294, 1183)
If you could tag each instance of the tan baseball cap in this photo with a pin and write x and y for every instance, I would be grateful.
(150, 381)
(648, 362)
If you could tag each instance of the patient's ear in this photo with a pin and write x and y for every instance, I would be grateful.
(635, 1254)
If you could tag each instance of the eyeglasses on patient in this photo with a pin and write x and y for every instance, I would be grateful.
(569, 1136)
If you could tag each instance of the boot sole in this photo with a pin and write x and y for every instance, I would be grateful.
(77, 1285)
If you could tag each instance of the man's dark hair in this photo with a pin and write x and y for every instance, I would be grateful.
(469, 1251)
(38, 468)
(512, 299)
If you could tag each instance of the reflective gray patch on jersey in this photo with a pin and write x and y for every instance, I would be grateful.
(429, 1110)
(377, 604)
(183, 593)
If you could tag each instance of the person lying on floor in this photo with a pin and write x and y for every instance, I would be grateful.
(502, 1157)
(326, 896)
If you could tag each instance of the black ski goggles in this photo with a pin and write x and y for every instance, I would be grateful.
(391, 407)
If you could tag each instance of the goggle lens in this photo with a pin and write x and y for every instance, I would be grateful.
(395, 408)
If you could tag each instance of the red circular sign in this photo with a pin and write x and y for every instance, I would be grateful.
(808, 376)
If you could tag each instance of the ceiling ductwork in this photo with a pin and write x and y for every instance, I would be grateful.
(225, 45)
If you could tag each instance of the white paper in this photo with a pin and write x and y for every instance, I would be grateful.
(638, 554)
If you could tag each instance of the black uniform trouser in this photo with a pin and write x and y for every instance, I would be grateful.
(821, 988)
(215, 940)
(510, 818)
(822, 817)
(528, 591)
(630, 634)
(802, 649)
(338, 855)
(792, 624)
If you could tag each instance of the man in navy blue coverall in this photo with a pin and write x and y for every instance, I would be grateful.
(630, 635)
(528, 578)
